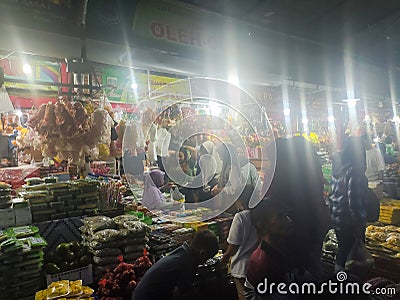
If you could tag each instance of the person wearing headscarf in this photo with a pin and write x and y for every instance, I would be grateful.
(349, 189)
(152, 196)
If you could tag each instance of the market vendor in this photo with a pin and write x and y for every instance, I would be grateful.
(172, 276)
(374, 160)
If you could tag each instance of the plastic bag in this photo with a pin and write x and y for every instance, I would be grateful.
(105, 260)
(137, 228)
(121, 220)
(107, 252)
(93, 224)
(359, 259)
(106, 235)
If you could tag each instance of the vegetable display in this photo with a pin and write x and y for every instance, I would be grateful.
(120, 282)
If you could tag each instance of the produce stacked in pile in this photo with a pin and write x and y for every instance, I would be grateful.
(120, 282)
(64, 289)
(181, 235)
(21, 259)
(330, 247)
(50, 201)
(5, 195)
(391, 180)
(160, 244)
(212, 281)
(390, 212)
(108, 238)
(68, 130)
(383, 241)
(67, 256)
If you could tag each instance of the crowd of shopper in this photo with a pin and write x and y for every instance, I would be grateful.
(279, 240)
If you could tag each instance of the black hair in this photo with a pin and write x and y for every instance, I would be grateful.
(185, 153)
(207, 241)
(388, 140)
(264, 212)
(245, 196)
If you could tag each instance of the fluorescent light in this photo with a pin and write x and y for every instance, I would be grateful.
(351, 102)
(304, 120)
(286, 111)
(366, 118)
(134, 85)
(27, 69)
(396, 119)
(18, 113)
(331, 119)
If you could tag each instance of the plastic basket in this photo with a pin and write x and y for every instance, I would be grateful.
(85, 274)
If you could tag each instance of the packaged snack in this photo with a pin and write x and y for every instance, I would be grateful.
(75, 288)
(23, 231)
(58, 289)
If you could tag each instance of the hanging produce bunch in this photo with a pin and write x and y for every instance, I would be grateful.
(69, 132)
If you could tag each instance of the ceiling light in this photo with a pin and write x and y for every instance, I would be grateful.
(27, 69)
(134, 85)
(286, 111)
(331, 119)
(304, 120)
(351, 102)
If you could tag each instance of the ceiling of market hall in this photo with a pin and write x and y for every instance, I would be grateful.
(302, 42)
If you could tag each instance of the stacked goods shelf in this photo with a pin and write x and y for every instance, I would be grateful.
(390, 212)
(21, 260)
(52, 200)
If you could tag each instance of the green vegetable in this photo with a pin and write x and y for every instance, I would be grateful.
(51, 269)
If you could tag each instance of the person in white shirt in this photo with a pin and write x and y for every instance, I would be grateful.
(374, 160)
(249, 171)
(242, 241)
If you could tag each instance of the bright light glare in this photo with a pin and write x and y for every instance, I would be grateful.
(286, 111)
(331, 119)
(27, 69)
(396, 119)
(215, 109)
(304, 120)
(134, 85)
(367, 118)
(18, 113)
(351, 102)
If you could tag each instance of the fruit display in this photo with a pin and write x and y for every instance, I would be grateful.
(5, 195)
(391, 180)
(66, 257)
(330, 247)
(51, 201)
(383, 241)
(390, 211)
(122, 280)
(212, 281)
(21, 260)
(65, 289)
(107, 238)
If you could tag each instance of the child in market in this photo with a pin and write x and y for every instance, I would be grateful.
(242, 240)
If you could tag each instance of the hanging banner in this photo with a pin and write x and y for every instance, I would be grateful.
(168, 88)
(41, 71)
(123, 85)
(173, 25)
